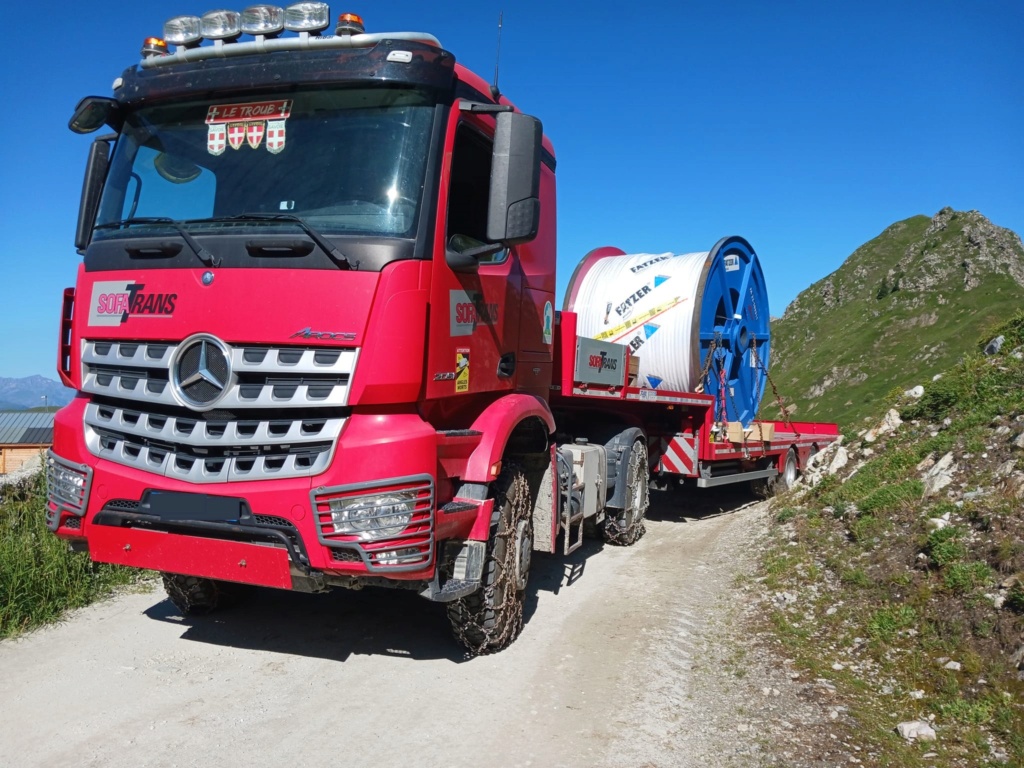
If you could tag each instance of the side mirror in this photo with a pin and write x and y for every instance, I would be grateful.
(93, 112)
(95, 173)
(513, 213)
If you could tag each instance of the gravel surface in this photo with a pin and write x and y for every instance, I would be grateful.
(630, 657)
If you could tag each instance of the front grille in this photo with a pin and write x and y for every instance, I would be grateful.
(73, 522)
(277, 416)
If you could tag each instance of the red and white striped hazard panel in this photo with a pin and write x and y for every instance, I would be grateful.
(678, 455)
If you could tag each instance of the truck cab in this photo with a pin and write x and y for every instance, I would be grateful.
(313, 314)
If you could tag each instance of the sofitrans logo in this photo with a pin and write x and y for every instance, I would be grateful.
(602, 362)
(115, 301)
(468, 310)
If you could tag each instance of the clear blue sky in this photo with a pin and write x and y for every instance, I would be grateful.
(807, 127)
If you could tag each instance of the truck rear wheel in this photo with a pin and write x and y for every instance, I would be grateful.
(194, 595)
(625, 527)
(489, 619)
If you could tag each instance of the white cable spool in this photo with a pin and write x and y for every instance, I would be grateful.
(671, 310)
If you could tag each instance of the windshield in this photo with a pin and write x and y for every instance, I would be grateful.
(344, 161)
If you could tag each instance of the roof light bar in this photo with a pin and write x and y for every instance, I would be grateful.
(221, 25)
(307, 17)
(263, 20)
(183, 30)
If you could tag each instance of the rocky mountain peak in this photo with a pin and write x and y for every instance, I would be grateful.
(960, 246)
(903, 307)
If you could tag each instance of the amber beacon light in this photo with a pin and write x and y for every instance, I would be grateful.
(349, 24)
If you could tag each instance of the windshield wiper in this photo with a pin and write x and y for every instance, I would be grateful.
(336, 256)
(204, 255)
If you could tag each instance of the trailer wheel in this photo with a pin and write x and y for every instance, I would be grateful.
(193, 595)
(489, 619)
(787, 478)
(627, 526)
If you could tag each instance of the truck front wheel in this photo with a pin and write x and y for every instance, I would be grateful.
(489, 619)
(194, 595)
(626, 526)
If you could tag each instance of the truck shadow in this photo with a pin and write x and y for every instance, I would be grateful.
(342, 623)
(690, 503)
(385, 622)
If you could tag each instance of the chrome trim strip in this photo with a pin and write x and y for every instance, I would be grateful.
(344, 364)
(139, 357)
(173, 429)
(204, 469)
(106, 374)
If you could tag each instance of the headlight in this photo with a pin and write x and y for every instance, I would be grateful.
(373, 517)
(67, 484)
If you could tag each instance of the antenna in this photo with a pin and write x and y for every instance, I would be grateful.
(495, 92)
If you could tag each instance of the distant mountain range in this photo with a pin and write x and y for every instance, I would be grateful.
(901, 309)
(28, 392)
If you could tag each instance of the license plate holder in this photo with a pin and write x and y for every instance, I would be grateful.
(177, 506)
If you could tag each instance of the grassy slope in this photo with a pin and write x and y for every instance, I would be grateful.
(39, 578)
(880, 343)
(884, 600)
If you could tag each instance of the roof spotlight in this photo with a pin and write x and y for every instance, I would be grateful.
(307, 17)
(265, 20)
(183, 30)
(221, 25)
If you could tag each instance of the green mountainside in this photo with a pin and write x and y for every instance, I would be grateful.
(903, 307)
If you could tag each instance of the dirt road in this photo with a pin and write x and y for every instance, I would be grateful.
(612, 669)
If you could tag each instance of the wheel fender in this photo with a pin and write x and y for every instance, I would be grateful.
(496, 425)
(618, 449)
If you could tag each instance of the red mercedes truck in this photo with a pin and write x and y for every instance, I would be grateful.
(314, 342)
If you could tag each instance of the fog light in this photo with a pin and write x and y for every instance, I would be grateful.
(396, 556)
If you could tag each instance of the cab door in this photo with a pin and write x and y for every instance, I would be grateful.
(475, 302)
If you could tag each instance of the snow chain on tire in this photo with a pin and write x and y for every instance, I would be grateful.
(491, 618)
(628, 526)
(193, 595)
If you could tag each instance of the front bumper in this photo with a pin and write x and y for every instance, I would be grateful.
(287, 531)
(265, 566)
